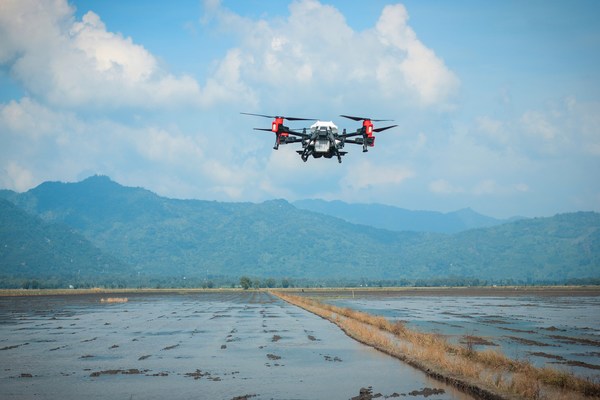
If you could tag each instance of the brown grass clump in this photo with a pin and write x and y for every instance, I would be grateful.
(114, 300)
(488, 374)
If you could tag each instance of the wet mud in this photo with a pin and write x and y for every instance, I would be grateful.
(230, 345)
(367, 394)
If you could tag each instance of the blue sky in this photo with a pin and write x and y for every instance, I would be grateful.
(498, 106)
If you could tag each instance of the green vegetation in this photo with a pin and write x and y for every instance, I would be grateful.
(39, 254)
(99, 233)
(245, 282)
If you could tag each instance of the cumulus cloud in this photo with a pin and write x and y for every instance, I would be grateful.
(314, 49)
(111, 54)
(74, 63)
(417, 66)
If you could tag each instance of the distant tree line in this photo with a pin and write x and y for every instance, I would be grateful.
(256, 283)
(250, 282)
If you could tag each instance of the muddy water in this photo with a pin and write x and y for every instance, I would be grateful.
(196, 346)
(562, 332)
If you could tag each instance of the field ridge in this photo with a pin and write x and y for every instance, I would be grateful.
(485, 374)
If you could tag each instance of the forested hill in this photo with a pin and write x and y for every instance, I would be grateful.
(36, 250)
(156, 236)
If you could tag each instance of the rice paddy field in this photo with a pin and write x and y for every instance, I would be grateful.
(554, 327)
(205, 345)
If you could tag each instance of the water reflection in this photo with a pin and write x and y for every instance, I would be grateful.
(203, 345)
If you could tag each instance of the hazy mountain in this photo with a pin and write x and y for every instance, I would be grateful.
(165, 237)
(400, 219)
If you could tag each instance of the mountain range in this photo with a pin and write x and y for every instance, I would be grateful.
(400, 219)
(100, 228)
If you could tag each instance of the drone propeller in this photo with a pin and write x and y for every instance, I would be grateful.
(384, 128)
(281, 116)
(292, 131)
(364, 119)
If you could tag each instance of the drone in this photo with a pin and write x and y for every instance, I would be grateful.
(322, 139)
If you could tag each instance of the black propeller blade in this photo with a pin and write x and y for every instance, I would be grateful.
(291, 131)
(384, 128)
(281, 116)
(364, 119)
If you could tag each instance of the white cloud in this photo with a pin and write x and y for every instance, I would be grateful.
(73, 63)
(28, 25)
(314, 50)
(413, 63)
(226, 86)
(111, 54)
(16, 177)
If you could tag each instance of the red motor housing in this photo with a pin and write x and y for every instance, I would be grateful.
(277, 122)
(368, 126)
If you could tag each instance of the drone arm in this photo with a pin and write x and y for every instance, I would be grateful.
(358, 132)
(288, 131)
(299, 135)
(365, 141)
(286, 140)
(354, 141)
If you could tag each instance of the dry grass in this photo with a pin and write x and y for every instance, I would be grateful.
(489, 372)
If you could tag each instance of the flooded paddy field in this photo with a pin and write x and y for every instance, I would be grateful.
(556, 328)
(218, 345)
